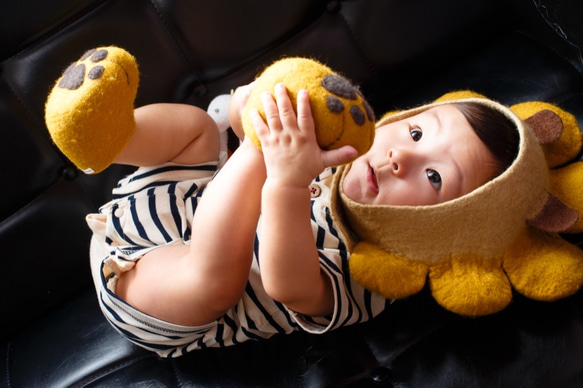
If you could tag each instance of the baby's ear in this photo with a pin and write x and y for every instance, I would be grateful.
(561, 139)
(557, 130)
(555, 216)
(546, 125)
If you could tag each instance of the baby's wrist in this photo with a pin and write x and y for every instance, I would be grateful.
(284, 189)
(284, 201)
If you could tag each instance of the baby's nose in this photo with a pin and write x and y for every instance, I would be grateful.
(398, 160)
(402, 160)
(393, 158)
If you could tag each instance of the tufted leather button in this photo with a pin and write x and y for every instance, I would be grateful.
(200, 90)
(69, 173)
(381, 375)
(333, 6)
(315, 190)
(313, 356)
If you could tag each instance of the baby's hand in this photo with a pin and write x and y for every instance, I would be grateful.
(291, 152)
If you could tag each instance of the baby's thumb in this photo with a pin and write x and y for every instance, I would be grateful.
(339, 156)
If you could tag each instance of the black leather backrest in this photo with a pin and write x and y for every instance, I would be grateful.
(190, 51)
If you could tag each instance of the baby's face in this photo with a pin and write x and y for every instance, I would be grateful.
(426, 159)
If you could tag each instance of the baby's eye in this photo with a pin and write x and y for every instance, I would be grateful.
(416, 134)
(434, 179)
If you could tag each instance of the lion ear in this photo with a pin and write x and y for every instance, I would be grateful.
(547, 126)
(555, 216)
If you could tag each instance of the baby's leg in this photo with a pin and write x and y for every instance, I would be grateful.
(90, 117)
(195, 284)
(171, 284)
(177, 133)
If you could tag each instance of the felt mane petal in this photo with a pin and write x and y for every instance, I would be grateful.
(544, 266)
(390, 275)
(470, 285)
(566, 183)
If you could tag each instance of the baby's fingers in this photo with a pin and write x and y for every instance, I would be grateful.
(261, 129)
(339, 156)
(287, 115)
(305, 119)
(271, 112)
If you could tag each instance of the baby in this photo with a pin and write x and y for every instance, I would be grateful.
(188, 256)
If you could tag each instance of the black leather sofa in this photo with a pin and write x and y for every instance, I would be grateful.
(52, 333)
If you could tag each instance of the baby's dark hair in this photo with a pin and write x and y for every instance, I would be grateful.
(496, 131)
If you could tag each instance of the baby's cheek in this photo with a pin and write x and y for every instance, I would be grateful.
(352, 187)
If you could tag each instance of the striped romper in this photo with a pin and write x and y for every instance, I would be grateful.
(154, 207)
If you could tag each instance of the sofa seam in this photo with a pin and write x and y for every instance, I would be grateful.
(365, 59)
(27, 204)
(175, 373)
(93, 377)
(566, 60)
(195, 68)
(54, 30)
(400, 350)
(8, 350)
(25, 107)
(543, 10)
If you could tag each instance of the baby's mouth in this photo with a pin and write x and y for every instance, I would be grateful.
(371, 179)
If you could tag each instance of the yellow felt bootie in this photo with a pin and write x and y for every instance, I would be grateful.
(341, 114)
(90, 110)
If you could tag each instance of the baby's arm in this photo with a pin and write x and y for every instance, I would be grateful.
(177, 133)
(195, 284)
(288, 256)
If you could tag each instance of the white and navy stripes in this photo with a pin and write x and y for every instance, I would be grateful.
(154, 207)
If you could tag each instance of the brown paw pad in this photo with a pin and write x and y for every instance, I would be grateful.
(343, 88)
(74, 76)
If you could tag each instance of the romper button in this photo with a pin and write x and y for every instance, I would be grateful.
(314, 190)
(118, 212)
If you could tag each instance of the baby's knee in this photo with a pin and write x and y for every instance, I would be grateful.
(218, 298)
